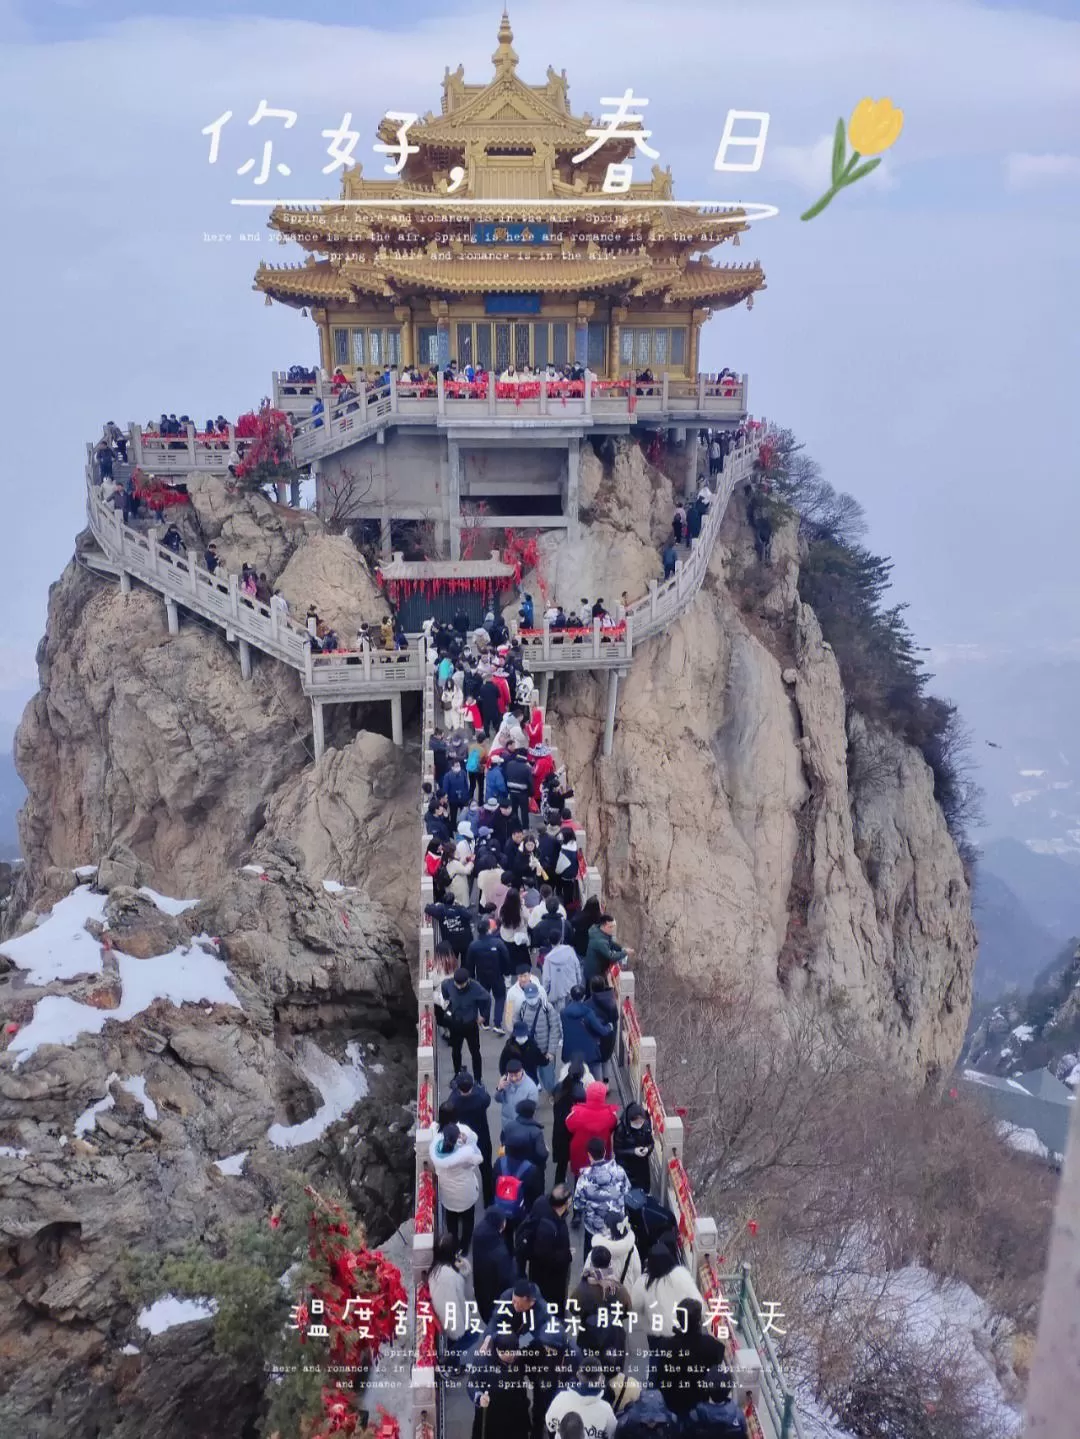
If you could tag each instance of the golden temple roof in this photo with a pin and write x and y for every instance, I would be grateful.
(701, 281)
(528, 274)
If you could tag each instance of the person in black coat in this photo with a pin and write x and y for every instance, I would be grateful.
(605, 1005)
(589, 914)
(437, 819)
(693, 1351)
(716, 1415)
(494, 1269)
(632, 1133)
(455, 927)
(498, 1387)
(542, 1245)
(468, 1103)
(488, 961)
(525, 1135)
(647, 1418)
(488, 700)
(569, 1091)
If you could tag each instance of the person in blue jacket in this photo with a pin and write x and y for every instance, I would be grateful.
(583, 1029)
(495, 786)
(494, 1268)
(488, 961)
(455, 786)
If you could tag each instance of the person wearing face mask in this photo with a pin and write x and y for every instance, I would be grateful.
(633, 1144)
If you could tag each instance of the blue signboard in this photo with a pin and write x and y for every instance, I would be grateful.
(511, 304)
(515, 233)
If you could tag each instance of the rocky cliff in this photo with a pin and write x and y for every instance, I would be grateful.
(752, 829)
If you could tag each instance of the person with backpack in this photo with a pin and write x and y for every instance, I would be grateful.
(527, 1004)
(567, 866)
(542, 1245)
(633, 1144)
(548, 926)
(601, 1187)
(647, 1418)
(560, 974)
(494, 1269)
(602, 1305)
(716, 1415)
(518, 1184)
(455, 925)
(455, 1157)
(468, 1103)
(582, 1029)
(618, 1239)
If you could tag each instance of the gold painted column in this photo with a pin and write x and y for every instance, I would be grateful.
(322, 319)
(697, 319)
(618, 318)
(403, 315)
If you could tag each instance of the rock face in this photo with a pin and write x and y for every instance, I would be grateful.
(738, 848)
(329, 572)
(152, 740)
(140, 1173)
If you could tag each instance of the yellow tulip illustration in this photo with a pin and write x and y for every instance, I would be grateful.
(874, 127)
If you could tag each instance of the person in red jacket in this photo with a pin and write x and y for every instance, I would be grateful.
(595, 1119)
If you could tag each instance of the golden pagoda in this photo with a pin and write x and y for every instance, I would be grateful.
(524, 273)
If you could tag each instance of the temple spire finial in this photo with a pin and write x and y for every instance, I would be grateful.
(504, 58)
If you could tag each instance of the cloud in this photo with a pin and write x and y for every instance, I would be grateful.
(1025, 172)
(809, 167)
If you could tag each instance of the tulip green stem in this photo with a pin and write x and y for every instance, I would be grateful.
(846, 178)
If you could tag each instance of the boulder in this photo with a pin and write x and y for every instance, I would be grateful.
(328, 571)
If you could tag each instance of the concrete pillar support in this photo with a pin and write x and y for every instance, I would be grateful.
(125, 583)
(545, 689)
(573, 485)
(245, 659)
(453, 495)
(609, 718)
(172, 615)
(317, 728)
(691, 461)
(396, 729)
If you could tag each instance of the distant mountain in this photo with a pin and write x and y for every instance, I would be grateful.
(1046, 885)
(1042, 1029)
(1013, 947)
(12, 795)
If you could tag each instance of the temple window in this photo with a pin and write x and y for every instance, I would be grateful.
(367, 346)
(597, 351)
(427, 347)
(645, 346)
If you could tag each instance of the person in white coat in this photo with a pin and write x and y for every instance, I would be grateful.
(449, 1295)
(618, 1239)
(456, 1159)
(664, 1284)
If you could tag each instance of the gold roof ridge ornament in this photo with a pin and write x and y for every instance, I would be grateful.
(505, 57)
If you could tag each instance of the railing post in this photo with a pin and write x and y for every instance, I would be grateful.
(393, 392)
(362, 401)
(745, 393)
(234, 597)
(135, 433)
(191, 443)
(440, 390)
(547, 637)
(543, 397)
(665, 388)
(309, 666)
(788, 1421)
(588, 394)
(744, 1297)
(700, 393)
(366, 661)
(653, 598)
(492, 382)
(629, 636)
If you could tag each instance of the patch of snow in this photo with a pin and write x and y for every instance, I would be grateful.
(167, 905)
(377, 1068)
(1026, 1140)
(136, 1085)
(252, 869)
(1025, 1033)
(6, 1152)
(1024, 796)
(183, 976)
(1073, 1077)
(87, 1120)
(130, 1349)
(85, 871)
(234, 1164)
(60, 947)
(168, 1311)
(1013, 1084)
(1032, 773)
(340, 1085)
(976, 1076)
(286, 1279)
(332, 886)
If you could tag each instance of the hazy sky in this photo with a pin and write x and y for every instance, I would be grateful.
(920, 336)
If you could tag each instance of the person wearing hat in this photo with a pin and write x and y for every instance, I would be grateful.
(618, 1239)
(464, 1001)
(514, 1086)
(522, 1046)
(495, 781)
(526, 1003)
(634, 1143)
(524, 1135)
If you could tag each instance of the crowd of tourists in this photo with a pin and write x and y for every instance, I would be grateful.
(520, 957)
